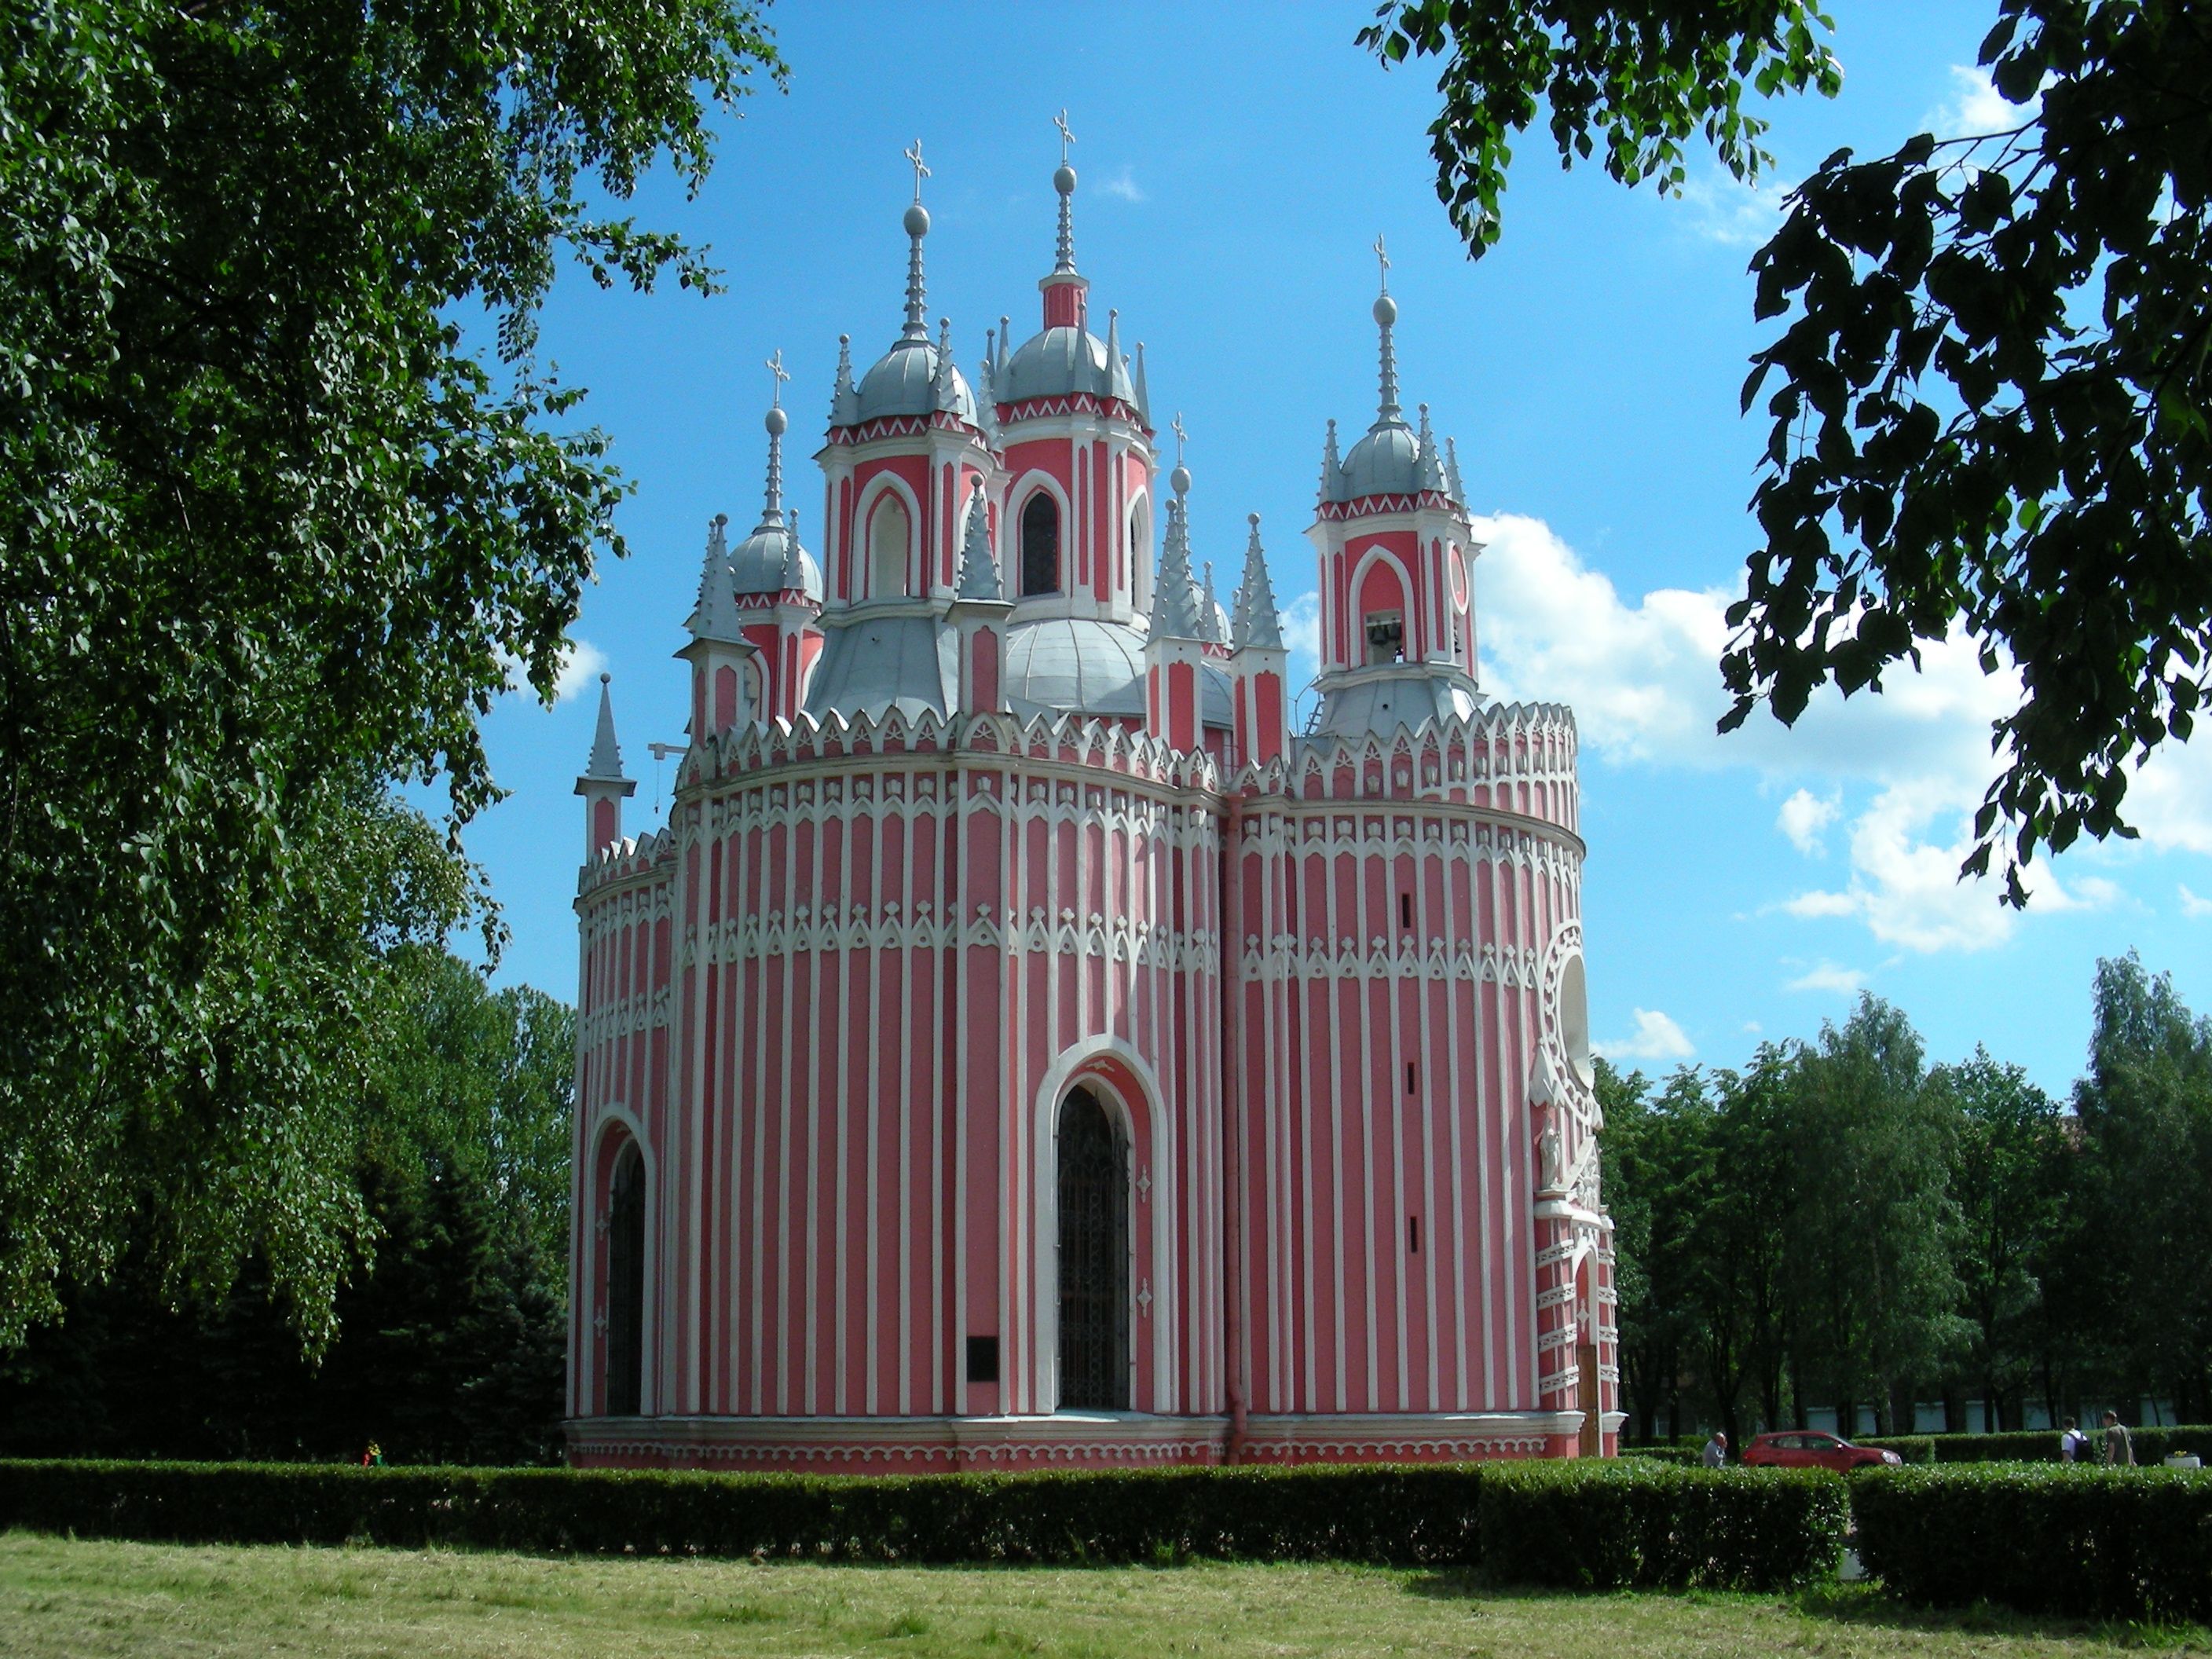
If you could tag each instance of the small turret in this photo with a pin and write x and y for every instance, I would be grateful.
(603, 786)
(1176, 651)
(1258, 665)
(979, 610)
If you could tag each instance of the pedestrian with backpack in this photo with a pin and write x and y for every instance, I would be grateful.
(2073, 1444)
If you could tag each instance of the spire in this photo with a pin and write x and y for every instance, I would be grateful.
(1257, 625)
(1175, 597)
(943, 390)
(1429, 469)
(917, 226)
(844, 399)
(605, 764)
(1113, 347)
(1063, 180)
(1144, 395)
(1209, 611)
(777, 423)
(979, 570)
(1332, 469)
(1005, 340)
(1386, 313)
(715, 616)
(1451, 472)
(795, 556)
(987, 400)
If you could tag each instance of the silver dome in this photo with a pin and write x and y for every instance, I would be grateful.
(756, 564)
(1407, 699)
(904, 382)
(1059, 361)
(1386, 462)
(907, 662)
(1078, 665)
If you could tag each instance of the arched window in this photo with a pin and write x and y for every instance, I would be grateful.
(625, 1305)
(890, 534)
(1140, 554)
(1382, 615)
(1094, 1258)
(1040, 545)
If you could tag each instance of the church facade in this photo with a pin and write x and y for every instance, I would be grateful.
(1020, 1047)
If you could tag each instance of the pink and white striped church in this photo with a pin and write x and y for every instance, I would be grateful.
(1020, 1047)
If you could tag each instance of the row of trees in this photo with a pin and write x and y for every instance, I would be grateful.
(1840, 1224)
(451, 1321)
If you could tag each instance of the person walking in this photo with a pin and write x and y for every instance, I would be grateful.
(2119, 1451)
(1715, 1452)
(2073, 1444)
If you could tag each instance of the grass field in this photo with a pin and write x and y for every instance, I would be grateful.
(62, 1597)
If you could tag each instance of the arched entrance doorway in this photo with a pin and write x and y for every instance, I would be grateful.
(625, 1304)
(1094, 1257)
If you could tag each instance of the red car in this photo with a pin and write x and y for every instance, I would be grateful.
(1809, 1448)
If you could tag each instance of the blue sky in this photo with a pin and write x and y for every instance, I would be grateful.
(1236, 164)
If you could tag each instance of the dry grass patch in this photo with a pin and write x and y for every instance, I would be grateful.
(64, 1597)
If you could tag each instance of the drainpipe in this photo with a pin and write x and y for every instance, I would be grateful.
(1234, 1072)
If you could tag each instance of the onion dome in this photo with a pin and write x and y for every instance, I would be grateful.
(907, 379)
(770, 560)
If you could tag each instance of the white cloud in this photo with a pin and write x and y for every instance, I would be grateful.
(1644, 681)
(1723, 208)
(1753, 1028)
(2194, 907)
(1656, 1037)
(1122, 184)
(581, 665)
(1975, 106)
(1803, 818)
(1827, 976)
(1302, 635)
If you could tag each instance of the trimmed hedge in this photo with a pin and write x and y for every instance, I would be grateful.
(2088, 1543)
(1420, 1515)
(1598, 1525)
(1642, 1523)
(2040, 1445)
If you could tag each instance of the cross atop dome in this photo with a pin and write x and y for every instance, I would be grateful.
(1063, 180)
(917, 226)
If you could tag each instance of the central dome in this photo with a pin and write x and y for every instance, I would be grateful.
(1059, 362)
(1078, 665)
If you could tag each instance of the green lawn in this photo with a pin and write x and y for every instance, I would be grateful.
(61, 1598)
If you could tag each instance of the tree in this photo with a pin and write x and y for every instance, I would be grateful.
(274, 534)
(1993, 409)
(1871, 1227)
(1657, 1163)
(451, 1329)
(2005, 1185)
(2145, 1234)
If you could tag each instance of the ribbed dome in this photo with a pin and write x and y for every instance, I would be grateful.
(904, 382)
(1386, 462)
(1077, 666)
(1059, 361)
(756, 564)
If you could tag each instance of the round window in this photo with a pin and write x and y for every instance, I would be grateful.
(1458, 579)
(1574, 1019)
